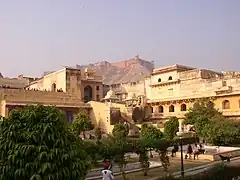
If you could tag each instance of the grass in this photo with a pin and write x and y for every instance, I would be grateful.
(158, 172)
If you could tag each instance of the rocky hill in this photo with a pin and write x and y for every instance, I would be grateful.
(132, 70)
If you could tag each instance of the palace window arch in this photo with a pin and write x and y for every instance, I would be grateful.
(226, 104)
(54, 87)
(160, 109)
(183, 107)
(171, 108)
(170, 78)
(159, 80)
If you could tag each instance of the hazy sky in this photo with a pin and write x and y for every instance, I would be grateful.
(42, 35)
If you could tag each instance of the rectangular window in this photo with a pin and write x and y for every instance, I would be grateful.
(98, 97)
(69, 116)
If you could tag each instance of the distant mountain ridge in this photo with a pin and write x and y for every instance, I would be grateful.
(128, 71)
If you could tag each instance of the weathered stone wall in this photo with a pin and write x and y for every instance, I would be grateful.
(192, 85)
(13, 82)
(101, 114)
(46, 82)
(21, 95)
(71, 80)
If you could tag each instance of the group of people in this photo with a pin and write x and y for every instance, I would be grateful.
(34, 89)
(195, 151)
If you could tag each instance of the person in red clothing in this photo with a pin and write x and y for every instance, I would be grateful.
(106, 172)
(107, 164)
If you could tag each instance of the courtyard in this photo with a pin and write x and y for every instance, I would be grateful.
(159, 172)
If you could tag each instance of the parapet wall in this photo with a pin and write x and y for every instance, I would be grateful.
(199, 73)
(38, 96)
(17, 83)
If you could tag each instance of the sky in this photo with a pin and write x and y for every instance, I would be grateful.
(45, 35)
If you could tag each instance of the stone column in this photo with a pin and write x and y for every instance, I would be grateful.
(181, 127)
(155, 109)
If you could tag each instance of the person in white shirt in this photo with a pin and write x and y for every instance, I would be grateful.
(195, 151)
(107, 174)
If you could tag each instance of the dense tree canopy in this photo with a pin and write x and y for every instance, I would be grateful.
(171, 127)
(121, 130)
(82, 123)
(36, 144)
(211, 125)
(150, 132)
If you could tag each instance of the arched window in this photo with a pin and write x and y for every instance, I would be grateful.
(226, 104)
(151, 109)
(170, 78)
(171, 108)
(159, 80)
(160, 109)
(183, 107)
(54, 86)
(88, 94)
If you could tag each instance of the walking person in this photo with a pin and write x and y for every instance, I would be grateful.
(195, 152)
(107, 173)
(189, 151)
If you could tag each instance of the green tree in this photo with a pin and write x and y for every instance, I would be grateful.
(98, 134)
(142, 151)
(120, 145)
(171, 127)
(200, 116)
(121, 130)
(150, 133)
(93, 150)
(221, 132)
(36, 144)
(211, 125)
(161, 147)
(82, 123)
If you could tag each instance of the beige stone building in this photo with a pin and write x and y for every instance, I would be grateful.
(83, 83)
(14, 83)
(172, 90)
(168, 91)
(17, 98)
(123, 77)
(67, 89)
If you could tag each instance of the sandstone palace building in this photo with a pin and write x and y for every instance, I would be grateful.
(114, 92)
(171, 90)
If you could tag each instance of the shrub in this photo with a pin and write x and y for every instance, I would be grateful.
(35, 143)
